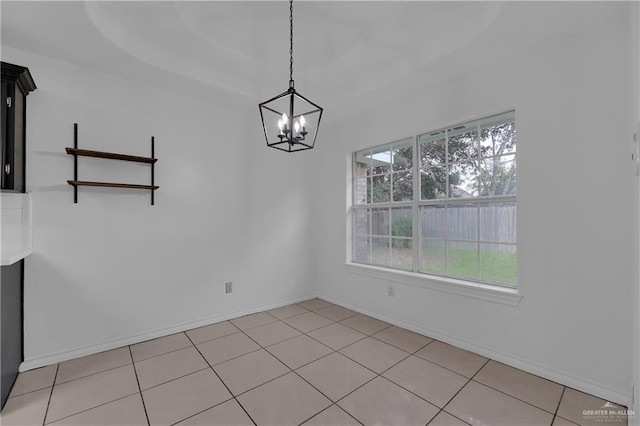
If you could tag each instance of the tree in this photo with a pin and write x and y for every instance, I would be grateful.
(497, 172)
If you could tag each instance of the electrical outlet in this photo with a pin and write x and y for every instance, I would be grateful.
(228, 287)
(391, 290)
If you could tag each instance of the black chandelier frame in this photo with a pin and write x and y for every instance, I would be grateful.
(291, 139)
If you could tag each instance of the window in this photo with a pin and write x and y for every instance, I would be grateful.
(442, 203)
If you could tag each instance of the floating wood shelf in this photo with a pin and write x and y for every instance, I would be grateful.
(111, 184)
(110, 156)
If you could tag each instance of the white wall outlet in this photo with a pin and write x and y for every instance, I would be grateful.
(391, 290)
(228, 287)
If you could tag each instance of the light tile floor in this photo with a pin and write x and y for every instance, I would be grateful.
(312, 363)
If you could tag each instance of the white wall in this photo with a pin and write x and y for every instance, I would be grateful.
(112, 269)
(634, 18)
(576, 253)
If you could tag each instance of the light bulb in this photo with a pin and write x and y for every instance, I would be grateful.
(280, 125)
(285, 120)
(296, 127)
(302, 121)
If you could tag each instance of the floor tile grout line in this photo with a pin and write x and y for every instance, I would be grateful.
(442, 410)
(447, 368)
(462, 387)
(303, 365)
(290, 316)
(94, 407)
(373, 336)
(224, 384)
(336, 320)
(300, 333)
(294, 372)
(564, 388)
(135, 371)
(359, 387)
(322, 411)
(206, 409)
(512, 396)
(93, 374)
(515, 397)
(157, 355)
(360, 331)
(255, 326)
(339, 349)
(174, 379)
(383, 371)
(31, 391)
(291, 338)
(212, 324)
(216, 338)
(53, 385)
(309, 331)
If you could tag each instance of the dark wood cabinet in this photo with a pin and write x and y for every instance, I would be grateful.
(11, 333)
(17, 83)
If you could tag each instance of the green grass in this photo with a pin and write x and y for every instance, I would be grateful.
(495, 266)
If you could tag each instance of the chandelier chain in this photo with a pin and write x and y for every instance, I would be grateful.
(291, 40)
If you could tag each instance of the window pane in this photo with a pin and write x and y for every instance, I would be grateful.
(403, 186)
(498, 138)
(498, 264)
(432, 221)
(361, 190)
(402, 253)
(498, 176)
(498, 222)
(463, 180)
(402, 155)
(402, 222)
(381, 160)
(433, 257)
(362, 250)
(463, 144)
(433, 183)
(462, 260)
(465, 174)
(361, 221)
(381, 188)
(432, 151)
(380, 221)
(380, 251)
(462, 222)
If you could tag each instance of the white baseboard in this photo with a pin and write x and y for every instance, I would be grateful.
(599, 390)
(41, 361)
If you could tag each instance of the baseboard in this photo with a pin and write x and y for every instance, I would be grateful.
(546, 372)
(36, 362)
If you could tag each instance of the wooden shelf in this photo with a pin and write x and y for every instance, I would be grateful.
(111, 184)
(110, 155)
(76, 152)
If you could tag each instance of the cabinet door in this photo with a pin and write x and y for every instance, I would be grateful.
(10, 145)
(10, 326)
(13, 137)
(5, 121)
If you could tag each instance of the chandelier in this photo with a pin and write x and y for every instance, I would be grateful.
(290, 121)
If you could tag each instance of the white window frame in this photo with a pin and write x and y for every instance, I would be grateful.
(472, 288)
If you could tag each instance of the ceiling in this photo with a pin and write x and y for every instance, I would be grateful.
(344, 52)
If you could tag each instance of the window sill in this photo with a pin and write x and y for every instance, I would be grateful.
(507, 296)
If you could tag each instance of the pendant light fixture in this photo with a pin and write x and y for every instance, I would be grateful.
(290, 121)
